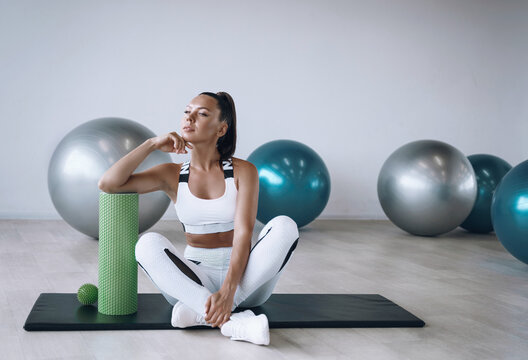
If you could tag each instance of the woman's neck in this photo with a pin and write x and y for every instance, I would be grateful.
(204, 159)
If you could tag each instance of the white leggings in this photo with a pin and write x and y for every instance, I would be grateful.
(200, 272)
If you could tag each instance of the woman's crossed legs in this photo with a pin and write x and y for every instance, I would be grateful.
(181, 279)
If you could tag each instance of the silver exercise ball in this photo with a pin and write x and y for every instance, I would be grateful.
(427, 187)
(80, 160)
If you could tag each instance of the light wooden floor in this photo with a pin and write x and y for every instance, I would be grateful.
(472, 294)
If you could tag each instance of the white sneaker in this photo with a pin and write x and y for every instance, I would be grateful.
(242, 314)
(183, 316)
(247, 327)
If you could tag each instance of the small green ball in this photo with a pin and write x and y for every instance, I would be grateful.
(87, 294)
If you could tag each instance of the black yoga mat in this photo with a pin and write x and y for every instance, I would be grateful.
(64, 312)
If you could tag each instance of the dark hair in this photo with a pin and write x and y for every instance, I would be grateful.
(226, 144)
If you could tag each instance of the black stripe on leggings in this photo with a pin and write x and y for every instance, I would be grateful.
(183, 267)
(261, 239)
(289, 253)
(145, 270)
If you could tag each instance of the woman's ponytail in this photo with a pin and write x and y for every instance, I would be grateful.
(226, 144)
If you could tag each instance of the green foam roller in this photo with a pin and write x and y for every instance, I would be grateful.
(118, 235)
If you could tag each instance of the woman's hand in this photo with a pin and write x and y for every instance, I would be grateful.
(218, 308)
(171, 142)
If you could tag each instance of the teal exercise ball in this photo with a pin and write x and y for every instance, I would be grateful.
(489, 171)
(293, 181)
(509, 211)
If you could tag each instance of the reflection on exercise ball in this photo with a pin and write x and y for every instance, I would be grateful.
(427, 187)
(489, 170)
(293, 181)
(509, 211)
(80, 160)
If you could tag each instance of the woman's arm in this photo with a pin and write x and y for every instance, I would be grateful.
(120, 172)
(245, 215)
(218, 306)
(119, 177)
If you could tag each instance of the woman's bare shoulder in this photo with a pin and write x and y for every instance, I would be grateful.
(242, 164)
(172, 168)
(244, 168)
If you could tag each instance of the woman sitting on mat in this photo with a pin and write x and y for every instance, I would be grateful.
(216, 198)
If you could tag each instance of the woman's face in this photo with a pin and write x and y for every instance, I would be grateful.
(201, 120)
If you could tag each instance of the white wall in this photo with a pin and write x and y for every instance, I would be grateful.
(354, 80)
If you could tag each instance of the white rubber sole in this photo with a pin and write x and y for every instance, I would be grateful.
(264, 336)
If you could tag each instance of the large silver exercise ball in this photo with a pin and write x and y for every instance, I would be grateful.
(427, 187)
(80, 160)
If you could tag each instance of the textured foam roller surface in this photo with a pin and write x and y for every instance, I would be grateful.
(63, 311)
(118, 235)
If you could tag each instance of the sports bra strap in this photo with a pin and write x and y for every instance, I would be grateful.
(226, 165)
(228, 168)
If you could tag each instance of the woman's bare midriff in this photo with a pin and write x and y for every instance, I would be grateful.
(215, 240)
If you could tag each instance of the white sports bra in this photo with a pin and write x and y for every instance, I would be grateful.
(205, 216)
